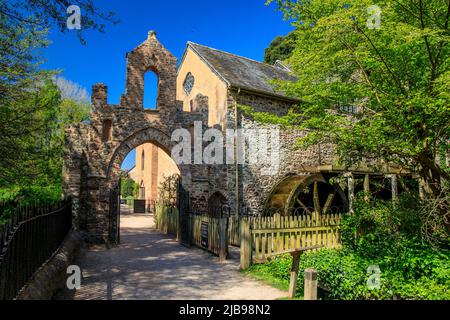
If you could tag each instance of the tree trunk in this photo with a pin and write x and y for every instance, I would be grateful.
(433, 175)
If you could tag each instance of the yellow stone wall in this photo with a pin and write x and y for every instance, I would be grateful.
(207, 83)
(157, 166)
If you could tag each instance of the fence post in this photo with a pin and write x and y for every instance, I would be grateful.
(223, 236)
(246, 244)
(310, 292)
(294, 275)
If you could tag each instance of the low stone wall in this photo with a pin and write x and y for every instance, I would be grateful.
(52, 275)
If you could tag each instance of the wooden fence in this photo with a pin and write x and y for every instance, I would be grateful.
(259, 237)
(167, 220)
(263, 237)
(234, 230)
(210, 234)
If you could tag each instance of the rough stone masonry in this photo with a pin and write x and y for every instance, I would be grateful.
(94, 151)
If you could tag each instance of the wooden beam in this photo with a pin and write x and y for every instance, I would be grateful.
(246, 244)
(310, 292)
(366, 187)
(351, 191)
(394, 186)
(294, 274)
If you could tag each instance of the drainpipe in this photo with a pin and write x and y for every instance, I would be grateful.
(236, 151)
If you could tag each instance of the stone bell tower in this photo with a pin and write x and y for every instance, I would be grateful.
(151, 56)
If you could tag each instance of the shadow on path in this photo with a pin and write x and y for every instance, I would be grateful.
(151, 265)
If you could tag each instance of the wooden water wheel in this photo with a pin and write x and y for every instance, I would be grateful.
(306, 194)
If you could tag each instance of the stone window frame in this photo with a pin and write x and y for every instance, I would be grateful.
(189, 83)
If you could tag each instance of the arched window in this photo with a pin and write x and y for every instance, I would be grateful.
(217, 204)
(142, 191)
(150, 90)
(143, 160)
(188, 83)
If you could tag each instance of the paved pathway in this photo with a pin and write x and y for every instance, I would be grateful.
(150, 265)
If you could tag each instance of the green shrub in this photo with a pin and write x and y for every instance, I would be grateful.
(130, 201)
(383, 234)
(346, 274)
(12, 197)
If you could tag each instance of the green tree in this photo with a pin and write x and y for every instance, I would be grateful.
(280, 48)
(396, 74)
(128, 187)
(34, 15)
(33, 111)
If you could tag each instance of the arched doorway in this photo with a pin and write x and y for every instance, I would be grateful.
(217, 204)
(152, 163)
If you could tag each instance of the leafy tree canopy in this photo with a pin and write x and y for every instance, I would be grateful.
(280, 48)
(396, 75)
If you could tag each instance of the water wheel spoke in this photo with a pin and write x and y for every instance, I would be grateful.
(329, 202)
(304, 207)
(316, 198)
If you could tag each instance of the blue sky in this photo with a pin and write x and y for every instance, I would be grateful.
(243, 27)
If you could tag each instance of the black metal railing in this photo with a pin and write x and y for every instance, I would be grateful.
(30, 237)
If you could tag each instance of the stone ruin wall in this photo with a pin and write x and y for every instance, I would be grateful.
(254, 187)
(95, 150)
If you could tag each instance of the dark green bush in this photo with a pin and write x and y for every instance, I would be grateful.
(12, 197)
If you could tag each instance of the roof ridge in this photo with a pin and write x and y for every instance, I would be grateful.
(236, 55)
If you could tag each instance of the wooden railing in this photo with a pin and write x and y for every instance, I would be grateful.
(234, 230)
(263, 237)
(210, 234)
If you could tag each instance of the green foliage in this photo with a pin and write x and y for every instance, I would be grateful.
(168, 189)
(382, 227)
(345, 274)
(130, 201)
(128, 187)
(280, 48)
(379, 233)
(398, 76)
(11, 197)
(32, 13)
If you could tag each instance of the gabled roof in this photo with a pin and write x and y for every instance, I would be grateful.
(242, 73)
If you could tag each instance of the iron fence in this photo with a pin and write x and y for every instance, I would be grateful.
(29, 239)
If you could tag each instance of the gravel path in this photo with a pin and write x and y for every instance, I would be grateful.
(150, 265)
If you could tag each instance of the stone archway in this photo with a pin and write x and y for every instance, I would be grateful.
(147, 135)
(95, 150)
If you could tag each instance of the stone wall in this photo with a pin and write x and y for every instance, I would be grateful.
(95, 150)
(255, 185)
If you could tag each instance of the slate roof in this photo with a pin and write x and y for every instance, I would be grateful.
(241, 72)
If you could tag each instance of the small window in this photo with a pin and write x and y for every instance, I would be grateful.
(106, 130)
(348, 109)
(188, 83)
(143, 161)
